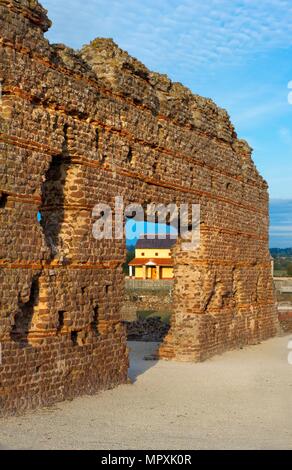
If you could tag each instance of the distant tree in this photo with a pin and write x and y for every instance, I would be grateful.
(281, 252)
(277, 265)
(289, 269)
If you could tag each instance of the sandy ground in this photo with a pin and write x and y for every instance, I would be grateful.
(240, 400)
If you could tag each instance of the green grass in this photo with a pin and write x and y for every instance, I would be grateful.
(164, 316)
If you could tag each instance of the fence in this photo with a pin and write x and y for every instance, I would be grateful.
(148, 284)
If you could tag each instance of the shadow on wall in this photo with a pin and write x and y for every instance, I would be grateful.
(51, 218)
(142, 358)
(53, 197)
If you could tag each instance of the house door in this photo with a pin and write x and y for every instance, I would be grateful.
(153, 273)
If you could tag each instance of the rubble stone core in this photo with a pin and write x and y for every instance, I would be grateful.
(79, 129)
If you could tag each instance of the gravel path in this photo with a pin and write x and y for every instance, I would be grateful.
(240, 400)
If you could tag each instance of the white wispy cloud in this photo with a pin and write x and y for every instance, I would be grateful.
(262, 110)
(286, 136)
(177, 33)
(229, 50)
(281, 229)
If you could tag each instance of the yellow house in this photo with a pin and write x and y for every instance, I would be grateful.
(152, 259)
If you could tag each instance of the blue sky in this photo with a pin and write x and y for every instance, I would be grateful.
(135, 229)
(236, 52)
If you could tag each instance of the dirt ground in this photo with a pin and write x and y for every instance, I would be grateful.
(240, 400)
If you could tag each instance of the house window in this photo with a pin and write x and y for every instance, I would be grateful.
(156, 254)
(142, 254)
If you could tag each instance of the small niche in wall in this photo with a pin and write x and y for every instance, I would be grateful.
(61, 316)
(24, 315)
(155, 165)
(129, 155)
(94, 323)
(3, 200)
(65, 139)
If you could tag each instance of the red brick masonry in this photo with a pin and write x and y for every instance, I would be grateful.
(79, 128)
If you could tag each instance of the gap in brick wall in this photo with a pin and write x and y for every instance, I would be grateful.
(65, 139)
(148, 303)
(94, 323)
(154, 166)
(129, 155)
(24, 316)
(61, 316)
(74, 338)
(103, 159)
(51, 210)
(3, 200)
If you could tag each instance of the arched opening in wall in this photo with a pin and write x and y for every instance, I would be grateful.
(150, 293)
(148, 270)
(61, 319)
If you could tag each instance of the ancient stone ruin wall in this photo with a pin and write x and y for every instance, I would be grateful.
(82, 128)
